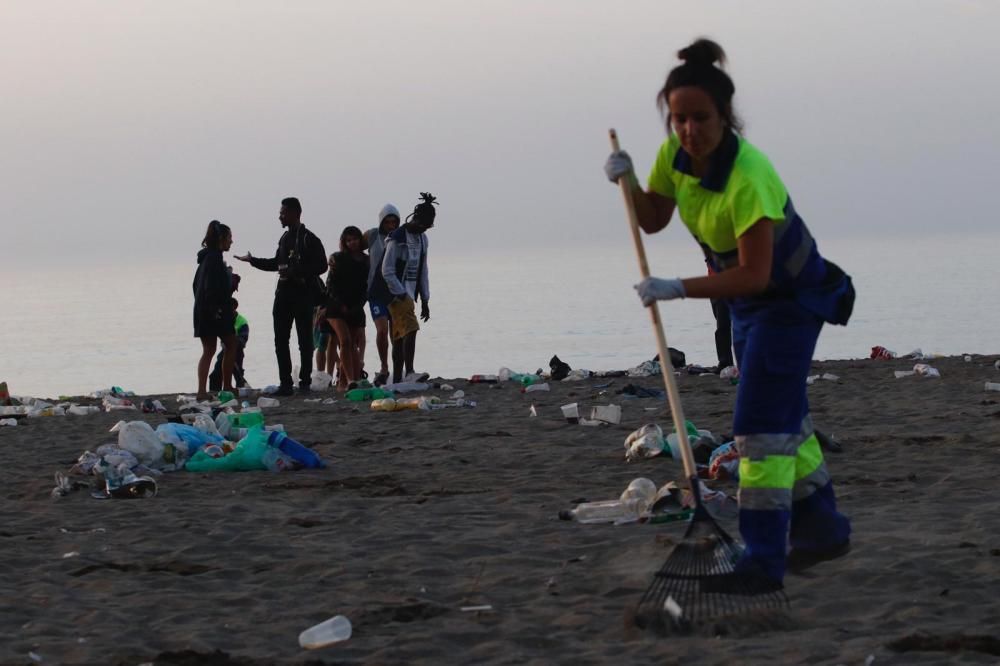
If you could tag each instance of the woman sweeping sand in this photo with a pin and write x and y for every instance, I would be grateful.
(780, 291)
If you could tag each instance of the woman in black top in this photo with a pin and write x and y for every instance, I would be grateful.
(347, 291)
(213, 306)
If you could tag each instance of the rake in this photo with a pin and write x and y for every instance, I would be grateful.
(699, 581)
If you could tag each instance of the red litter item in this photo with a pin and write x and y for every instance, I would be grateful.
(882, 353)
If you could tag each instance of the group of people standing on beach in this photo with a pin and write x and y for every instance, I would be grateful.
(385, 268)
(764, 267)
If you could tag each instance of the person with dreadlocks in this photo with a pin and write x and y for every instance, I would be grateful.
(404, 268)
(780, 291)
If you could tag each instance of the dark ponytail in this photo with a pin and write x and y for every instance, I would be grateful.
(424, 212)
(699, 70)
(214, 234)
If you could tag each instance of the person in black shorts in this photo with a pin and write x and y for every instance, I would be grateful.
(213, 305)
(347, 291)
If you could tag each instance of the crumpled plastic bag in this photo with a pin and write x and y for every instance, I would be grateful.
(320, 381)
(189, 436)
(139, 438)
(576, 375)
(725, 462)
(644, 369)
(646, 442)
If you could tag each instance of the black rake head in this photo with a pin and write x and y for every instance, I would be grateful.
(699, 585)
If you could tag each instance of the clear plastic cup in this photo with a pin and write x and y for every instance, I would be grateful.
(334, 630)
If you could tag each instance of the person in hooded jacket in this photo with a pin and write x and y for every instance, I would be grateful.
(378, 292)
(213, 305)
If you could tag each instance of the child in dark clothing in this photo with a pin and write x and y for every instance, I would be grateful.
(242, 328)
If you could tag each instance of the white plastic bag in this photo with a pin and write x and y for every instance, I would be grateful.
(646, 442)
(139, 438)
(320, 381)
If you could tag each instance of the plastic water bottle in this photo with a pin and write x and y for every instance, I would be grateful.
(992, 386)
(384, 405)
(633, 503)
(267, 402)
(334, 630)
(276, 461)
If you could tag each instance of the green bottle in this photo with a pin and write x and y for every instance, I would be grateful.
(367, 394)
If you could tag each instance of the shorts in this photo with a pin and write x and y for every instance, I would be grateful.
(321, 334)
(378, 310)
(354, 318)
(403, 313)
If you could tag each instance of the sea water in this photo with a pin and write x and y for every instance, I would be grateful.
(73, 331)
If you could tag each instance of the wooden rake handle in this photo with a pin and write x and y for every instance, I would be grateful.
(666, 367)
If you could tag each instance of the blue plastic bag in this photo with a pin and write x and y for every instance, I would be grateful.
(194, 438)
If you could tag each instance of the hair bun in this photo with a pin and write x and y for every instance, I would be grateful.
(702, 52)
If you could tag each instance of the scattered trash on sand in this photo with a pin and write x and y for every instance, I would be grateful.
(571, 413)
(881, 353)
(830, 377)
(639, 502)
(328, 632)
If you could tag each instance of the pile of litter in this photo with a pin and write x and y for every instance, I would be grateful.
(202, 437)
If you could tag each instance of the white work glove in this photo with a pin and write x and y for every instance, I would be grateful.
(619, 164)
(654, 289)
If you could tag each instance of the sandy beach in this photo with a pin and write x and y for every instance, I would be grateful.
(420, 514)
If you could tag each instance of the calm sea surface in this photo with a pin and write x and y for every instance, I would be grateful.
(75, 331)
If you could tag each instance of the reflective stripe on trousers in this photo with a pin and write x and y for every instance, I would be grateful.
(776, 470)
(785, 488)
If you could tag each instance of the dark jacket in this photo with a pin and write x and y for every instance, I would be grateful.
(347, 283)
(213, 293)
(302, 251)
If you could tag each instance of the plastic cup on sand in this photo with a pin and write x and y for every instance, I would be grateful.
(571, 412)
(334, 630)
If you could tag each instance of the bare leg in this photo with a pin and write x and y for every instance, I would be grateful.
(348, 373)
(382, 343)
(333, 364)
(358, 340)
(207, 352)
(358, 336)
(321, 358)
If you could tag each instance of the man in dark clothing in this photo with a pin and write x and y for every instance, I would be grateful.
(299, 261)
(723, 334)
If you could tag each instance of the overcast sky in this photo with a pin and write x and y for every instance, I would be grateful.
(129, 124)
